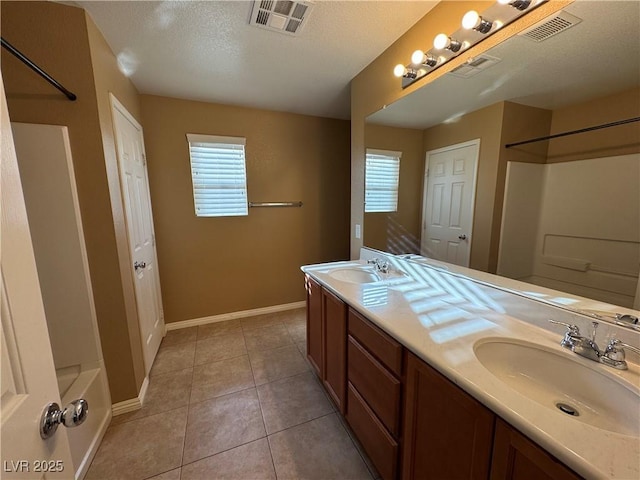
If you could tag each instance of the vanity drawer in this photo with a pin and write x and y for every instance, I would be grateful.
(378, 387)
(381, 448)
(381, 345)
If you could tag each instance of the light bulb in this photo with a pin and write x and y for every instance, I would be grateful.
(470, 20)
(504, 2)
(418, 57)
(399, 70)
(425, 59)
(441, 41)
(473, 21)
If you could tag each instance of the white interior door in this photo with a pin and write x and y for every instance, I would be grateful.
(137, 202)
(28, 374)
(448, 202)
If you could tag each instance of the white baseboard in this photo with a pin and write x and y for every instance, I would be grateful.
(132, 404)
(230, 316)
(143, 390)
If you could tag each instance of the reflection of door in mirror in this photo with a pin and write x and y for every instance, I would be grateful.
(448, 200)
(583, 235)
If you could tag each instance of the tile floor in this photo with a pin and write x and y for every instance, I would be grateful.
(233, 400)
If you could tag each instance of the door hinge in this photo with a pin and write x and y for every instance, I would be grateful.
(427, 172)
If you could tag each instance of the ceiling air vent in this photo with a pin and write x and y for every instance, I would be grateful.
(550, 26)
(475, 65)
(284, 16)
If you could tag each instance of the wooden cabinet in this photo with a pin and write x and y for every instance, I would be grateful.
(315, 348)
(447, 433)
(334, 319)
(515, 457)
(401, 408)
(374, 392)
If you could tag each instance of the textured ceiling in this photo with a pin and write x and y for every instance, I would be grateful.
(208, 51)
(595, 58)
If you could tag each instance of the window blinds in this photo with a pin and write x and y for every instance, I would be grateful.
(382, 174)
(219, 175)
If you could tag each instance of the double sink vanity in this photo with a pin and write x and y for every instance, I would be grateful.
(442, 375)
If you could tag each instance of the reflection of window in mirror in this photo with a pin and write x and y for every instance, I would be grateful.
(382, 173)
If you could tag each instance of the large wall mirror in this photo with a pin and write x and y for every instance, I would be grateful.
(561, 213)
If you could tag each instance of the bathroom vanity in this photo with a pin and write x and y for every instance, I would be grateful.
(442, 376)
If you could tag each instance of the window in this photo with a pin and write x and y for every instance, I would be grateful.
(219, 175)
(382, 173)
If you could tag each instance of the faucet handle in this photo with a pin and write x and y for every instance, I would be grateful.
(570, 327)
(618, 346)
(614, 355)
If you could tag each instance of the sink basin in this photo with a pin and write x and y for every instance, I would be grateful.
(562, 384)
(355, 275)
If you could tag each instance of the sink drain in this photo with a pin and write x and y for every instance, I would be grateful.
(568, 409)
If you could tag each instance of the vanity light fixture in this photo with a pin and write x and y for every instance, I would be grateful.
(518, 4)
(473, 21)
(421, 58)
(443, 41)
(476, 26)
(401, 71)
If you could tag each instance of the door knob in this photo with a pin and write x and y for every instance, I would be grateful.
(138, 265)
(462, 237)
(73, 415)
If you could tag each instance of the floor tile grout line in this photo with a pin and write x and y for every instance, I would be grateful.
(222, 395)
(348, 431)
(302, 423)
(273, 462)
(222, 360)
(186, 425)
(220, 452)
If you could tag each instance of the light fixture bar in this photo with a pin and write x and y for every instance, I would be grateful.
(475, 28)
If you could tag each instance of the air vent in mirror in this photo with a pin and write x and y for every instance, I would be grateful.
(550, 26)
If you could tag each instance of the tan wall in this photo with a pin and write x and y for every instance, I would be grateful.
(519, 122)
(55, 37)
(486, 125)
(211, 266)
(376, 86)
(620, 140)
(398, 232)
(110, 80)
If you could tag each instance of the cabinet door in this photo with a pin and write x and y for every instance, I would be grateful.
(314, 325)
(518, 458)
(334, 312)
(447, 433)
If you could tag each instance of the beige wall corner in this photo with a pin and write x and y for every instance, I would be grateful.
(216, 265)
(55, 37)
(109, 79)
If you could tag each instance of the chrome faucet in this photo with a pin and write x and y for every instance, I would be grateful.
(380, 265)
(577, 343)
(612, 356)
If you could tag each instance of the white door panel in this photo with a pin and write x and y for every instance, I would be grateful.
(28, 374)
(448, 202)
(139, 219)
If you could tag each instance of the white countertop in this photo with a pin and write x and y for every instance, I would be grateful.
(439, 317)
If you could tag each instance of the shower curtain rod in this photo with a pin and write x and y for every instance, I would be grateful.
(573, 132)
(13, 50)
